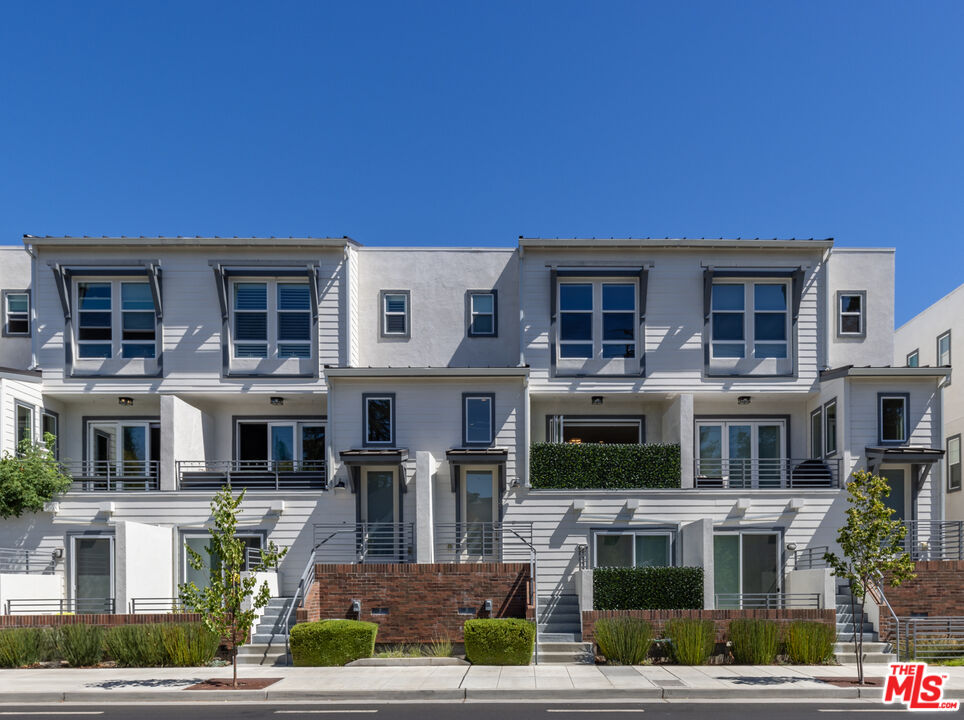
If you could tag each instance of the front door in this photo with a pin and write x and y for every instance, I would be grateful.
(898, 489)
(379, 513)
(479, 510)
(92, 573)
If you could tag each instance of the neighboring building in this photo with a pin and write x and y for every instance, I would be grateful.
(927, 340)
(384, 405)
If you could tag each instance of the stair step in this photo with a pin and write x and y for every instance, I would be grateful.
(546, 658)
(869, 658)
(555, 646)
(560, 637)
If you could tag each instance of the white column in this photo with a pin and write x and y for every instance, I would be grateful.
(424, 507)
(697, 539)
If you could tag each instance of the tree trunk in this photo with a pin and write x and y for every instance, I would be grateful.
(854, 636)
(234, 653)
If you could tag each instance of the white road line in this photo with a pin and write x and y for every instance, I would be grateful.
(854, 710)
(53, 712)
(320, 712)
(595, 710)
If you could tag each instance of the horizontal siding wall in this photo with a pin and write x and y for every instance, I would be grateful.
(13, 392)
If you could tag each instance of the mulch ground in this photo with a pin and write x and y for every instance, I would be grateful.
(852, 681)
(225, 684)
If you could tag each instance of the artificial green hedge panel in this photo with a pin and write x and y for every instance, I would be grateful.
(332, 642)
(571, 465)
(648, 588)
(499, 641)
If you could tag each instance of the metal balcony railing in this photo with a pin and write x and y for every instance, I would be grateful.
(767, 601)
(106, 476)
(60, 606)
(767, 474)
(483, 542)
(15, 560)
(364, 542)
(935, 540)
(930, 639)
(156, 605)
(251, 474)
(810, 558)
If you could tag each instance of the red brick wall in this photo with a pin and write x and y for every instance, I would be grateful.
(12, 621)
(423, 601)
(938, 590)
(722, 618)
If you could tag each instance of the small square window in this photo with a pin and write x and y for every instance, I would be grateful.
(851, 313)
(396, 313)
(16, 313)
(482, 314)
(913, 359)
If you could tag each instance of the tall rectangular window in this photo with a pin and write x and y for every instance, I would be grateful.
(16, 313)
(138, 331)
(830, 427)
(913, 359)
(250, 320)
(597, 320)
(379, 419)
(294, 320)
(893, 420)
(816, 433)
(478, 419)
(272, 319)
(944, 349)
(95, 321)
(770, 320)
(396, 314)
(116, 319)
(575, 320)
(728, 326)
(482, 317)
(954, 463)
(850, 313)
(24, 423)
(618, 320)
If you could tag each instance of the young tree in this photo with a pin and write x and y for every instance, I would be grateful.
(30, 478)
(872, 545)
(222, 602)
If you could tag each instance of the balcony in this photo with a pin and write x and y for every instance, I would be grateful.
(468, 542)
(767, 474)
(937, 540)
(60, 606)
(108, 476)
(210, 475)
(768, 601)
(25, 562)
(364, 542)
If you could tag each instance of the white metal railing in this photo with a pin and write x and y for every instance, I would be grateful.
(768, 601)
(767, 474)
(810, 558)
(108, 476)
(482, 542)
(251, 474)
(60, 606)
(27, 562)
(156, 605)
(935, 540)
(364, 542)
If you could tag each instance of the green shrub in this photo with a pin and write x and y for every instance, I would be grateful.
(23, 646)
(755, 642)
(499, 641)
(691, 641)
(602, 467)
(439, 647)
(189, 644)
(648, 588)
(624, 640)
(809, 643)
(332, 642)
(79, 644)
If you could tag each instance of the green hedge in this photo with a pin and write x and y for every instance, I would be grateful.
(332, 642)
(500, 641)
(648, 588)
(604, 467)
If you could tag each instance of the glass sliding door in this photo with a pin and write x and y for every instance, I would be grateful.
(283, 446)
(741, 453)
(769, 472)
(312, 446)
(746, 569)
(92, 573)
(740, 441)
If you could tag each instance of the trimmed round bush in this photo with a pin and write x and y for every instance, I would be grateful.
(499, 641)
(332, 642)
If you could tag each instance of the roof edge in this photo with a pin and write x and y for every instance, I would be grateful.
(676, 243)
(184, 241)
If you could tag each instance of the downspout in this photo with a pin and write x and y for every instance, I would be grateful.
(33, 305)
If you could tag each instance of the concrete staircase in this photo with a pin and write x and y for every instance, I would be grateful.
(267, 645)
(874, 651)
(560, 631)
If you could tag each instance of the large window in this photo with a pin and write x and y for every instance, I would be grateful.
(749, 320)
(16, 312)
(286, 443)
(944, 349)
(116, 318)
(396, 313)
(633, 548)
(483, 320)
(740, 453)
(272, 320)
(379, 414)
(893, 421)
(954, 463)
(598, 321)
(851, 313)
(595, 430)
(478, 419)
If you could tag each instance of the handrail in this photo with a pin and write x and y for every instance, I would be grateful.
(934, 539)
(466, 541)
(880, 591)
(766, 473)
(27, 562)
(112, 476)
(810, 558)
(60, 606)
(768, 601)
(535, 591)
(251, 474)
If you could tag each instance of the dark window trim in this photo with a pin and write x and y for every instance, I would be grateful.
(375, 396)
(937, 348)
(17, 404)
(960, 460)
(87, 419)
(836, 439)
(863, 315)
(408, 315)
(465, 397)
(748, 418)
(6, 320)
(184, 533)
(880, 418)
(672, 530)
(56, 416)
(914, 352)
(640, 418)
(823, 435)
(495, 313)
(236, 419)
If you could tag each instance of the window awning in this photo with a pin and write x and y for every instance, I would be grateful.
(358, 458)
(920, 460)
(458, 457)
(222, 272)
(63, 275)
(796, 276)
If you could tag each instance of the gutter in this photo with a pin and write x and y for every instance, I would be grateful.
(33, 304)
(429, 372)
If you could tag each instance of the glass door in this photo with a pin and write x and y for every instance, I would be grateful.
(769, 451)
(312, 447)
(282, 446)
(740, 454)
(896, 501)
(746, 570)
(211, 564)
(479, 511)
(380, 513)
(93, 573)
(740, 443)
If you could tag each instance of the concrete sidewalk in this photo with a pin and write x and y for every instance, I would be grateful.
(563, 683)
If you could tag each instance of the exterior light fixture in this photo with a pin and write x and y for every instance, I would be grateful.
(125, 401)
(487, 606)
(743, 400)
(597, 399)
(791, 547)
(277, 401)
(356, 606)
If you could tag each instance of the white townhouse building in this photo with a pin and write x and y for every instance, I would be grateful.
(406, 406)
(927, 340)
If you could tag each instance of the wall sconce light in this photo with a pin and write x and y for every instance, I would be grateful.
(340, 485)
(57, 553)
(277, 401)
(743, 400)
(356, 606)
(791, 547)
(597, 399)
(125, 401)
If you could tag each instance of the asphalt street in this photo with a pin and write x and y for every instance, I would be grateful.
(736, 710)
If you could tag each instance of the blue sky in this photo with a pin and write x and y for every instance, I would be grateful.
(471, 123)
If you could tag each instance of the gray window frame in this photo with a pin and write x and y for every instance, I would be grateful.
(17, 404)
(383, 315)
(670, 531)
(880, 417)
(56, 417)
(826, 427)
(821, 436)
(863, 314)
(937, 348)
(6, 314)
(915, 353)
(466, 396)
(377, 396)
(469, 294)
(960, 461)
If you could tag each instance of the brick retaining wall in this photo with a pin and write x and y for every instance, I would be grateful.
(722, 618)
(423, 601)
(938, 590)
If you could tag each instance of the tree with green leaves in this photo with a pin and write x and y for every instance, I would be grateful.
(222, 602)
(31, 477)
(872, 546)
